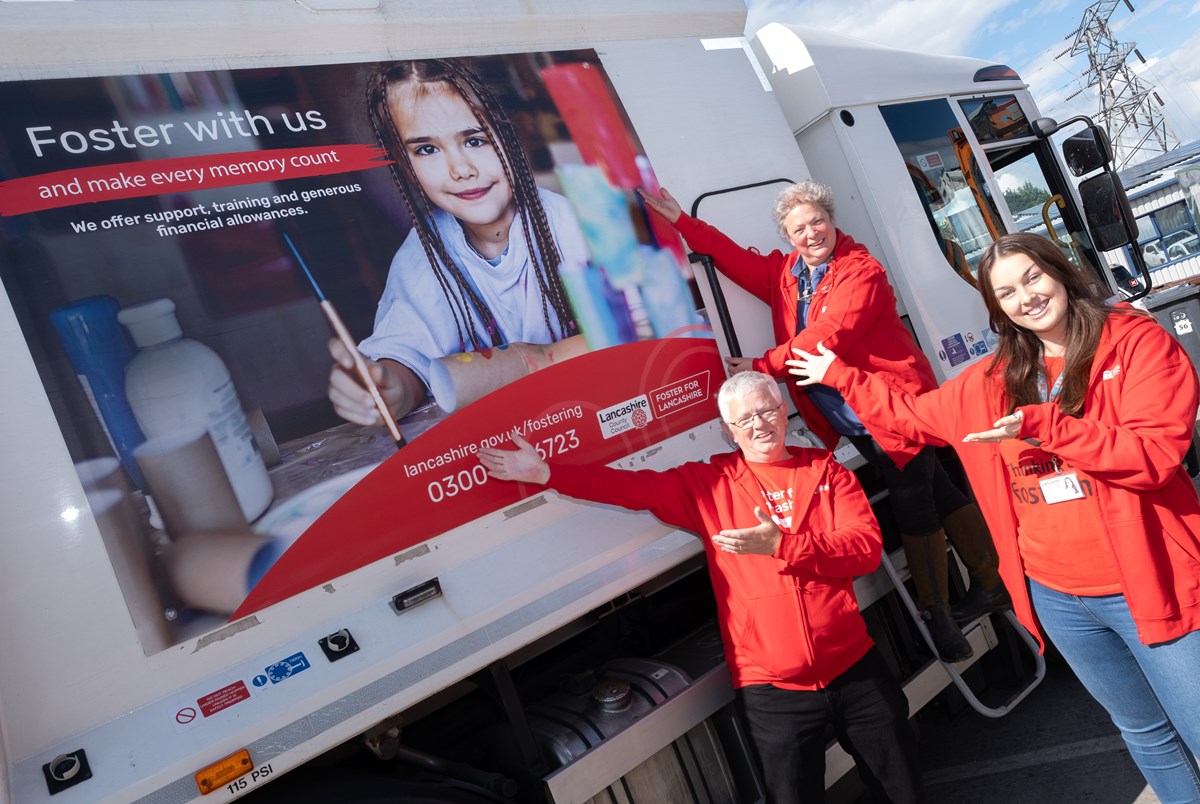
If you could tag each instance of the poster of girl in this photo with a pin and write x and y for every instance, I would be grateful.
(480, 268)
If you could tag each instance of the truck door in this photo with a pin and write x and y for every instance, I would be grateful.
(980, 171)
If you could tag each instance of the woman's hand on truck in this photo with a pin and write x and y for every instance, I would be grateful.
(664, 204)
(523, 464)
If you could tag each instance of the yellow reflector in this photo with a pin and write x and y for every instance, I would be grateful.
(224, 772)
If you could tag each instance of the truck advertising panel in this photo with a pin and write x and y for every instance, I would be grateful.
(276, 312)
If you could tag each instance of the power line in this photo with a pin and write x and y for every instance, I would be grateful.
(1130, 108)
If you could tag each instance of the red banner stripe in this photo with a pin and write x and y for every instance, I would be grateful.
(91, 185)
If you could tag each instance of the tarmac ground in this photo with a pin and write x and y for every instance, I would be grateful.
(1058, 746)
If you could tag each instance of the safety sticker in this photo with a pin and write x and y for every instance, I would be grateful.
(285, 668)
(223, 698)
(954, 350)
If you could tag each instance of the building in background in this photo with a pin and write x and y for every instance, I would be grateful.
(1165, 195)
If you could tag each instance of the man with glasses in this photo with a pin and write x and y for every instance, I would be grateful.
(785, 531)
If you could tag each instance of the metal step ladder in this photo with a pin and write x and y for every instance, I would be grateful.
(952, 670)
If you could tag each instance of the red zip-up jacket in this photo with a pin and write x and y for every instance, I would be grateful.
(1138, 418)
(853, 312)
(789, 619)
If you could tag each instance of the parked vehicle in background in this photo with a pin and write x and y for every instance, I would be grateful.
(1154, 255)
(1180, 245)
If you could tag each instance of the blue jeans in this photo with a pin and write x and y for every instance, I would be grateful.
(1152, 693)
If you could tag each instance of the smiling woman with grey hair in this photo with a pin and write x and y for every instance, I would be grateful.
(830, 289)
(802, 192)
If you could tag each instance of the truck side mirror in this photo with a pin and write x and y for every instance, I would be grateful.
(1087, 150)
(1106, 207)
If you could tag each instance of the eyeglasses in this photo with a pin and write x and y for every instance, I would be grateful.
(771, 416)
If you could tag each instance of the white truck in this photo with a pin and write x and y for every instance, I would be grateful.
(164, 644)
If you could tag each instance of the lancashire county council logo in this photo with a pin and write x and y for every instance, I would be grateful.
(624, 416)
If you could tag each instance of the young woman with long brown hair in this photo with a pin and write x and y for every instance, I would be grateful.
(1073, 437)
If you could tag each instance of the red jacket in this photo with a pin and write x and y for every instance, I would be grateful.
(1137, 424)
(853, 312)
(792, 617)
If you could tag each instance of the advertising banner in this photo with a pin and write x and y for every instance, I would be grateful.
(278, 311)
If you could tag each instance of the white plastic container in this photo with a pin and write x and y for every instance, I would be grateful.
(176, 384)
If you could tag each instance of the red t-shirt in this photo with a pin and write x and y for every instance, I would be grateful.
(775, 484)
(1063, 544)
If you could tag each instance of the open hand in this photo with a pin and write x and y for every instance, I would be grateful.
(523, 464)
(1004, 428)
(762, 539)
(808, 368)
(664, 204)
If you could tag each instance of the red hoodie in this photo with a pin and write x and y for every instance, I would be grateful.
(790, 619)
(1138, 419)
(853, 312)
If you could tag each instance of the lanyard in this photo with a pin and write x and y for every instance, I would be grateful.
(1049, 396)
(1052, 394)
(806, 286)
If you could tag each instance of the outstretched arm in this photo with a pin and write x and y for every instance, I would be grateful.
(755, 272)
(667, 494)
(523, 464)
(930, 418)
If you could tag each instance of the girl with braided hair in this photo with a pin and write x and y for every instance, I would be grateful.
(480, 267)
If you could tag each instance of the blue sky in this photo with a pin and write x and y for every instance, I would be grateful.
(1027, 36)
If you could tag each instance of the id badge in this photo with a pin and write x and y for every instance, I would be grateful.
(1060, 488)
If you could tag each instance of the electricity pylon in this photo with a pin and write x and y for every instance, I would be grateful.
(1130, 108)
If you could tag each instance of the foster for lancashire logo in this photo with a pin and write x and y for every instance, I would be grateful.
(632, 414)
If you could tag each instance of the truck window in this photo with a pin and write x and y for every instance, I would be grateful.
(1038, 198)
(996, 118)
(946, 176)
(963, 214)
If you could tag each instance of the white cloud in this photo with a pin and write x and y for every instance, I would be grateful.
(930, 26)
(1176, 78)
(1008, 181)
(1003, 29)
